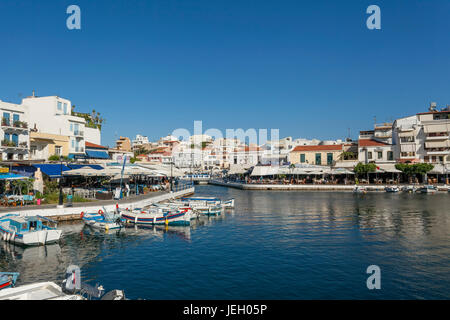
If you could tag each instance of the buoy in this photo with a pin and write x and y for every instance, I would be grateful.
(100, 212)
(82, 215)
(167, 222)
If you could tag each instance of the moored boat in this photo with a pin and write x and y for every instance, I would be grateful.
(359, 189)
(156, 215)
(392, 189)
(427, 189)
(30, 231)
(103, 219)
(8, 279)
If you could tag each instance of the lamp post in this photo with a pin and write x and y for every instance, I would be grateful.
(61, 201)
(171, 176)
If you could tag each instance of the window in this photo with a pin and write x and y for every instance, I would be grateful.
(390, 155)
(15, 139)
(73, 144)
(380, 154)
(59, 106)
(407, 139)
(71, 127)
(318, 158)
(33, 150)
(65, 108)
(329, 158)
(7, 137)
(58, 150)
(302, 158)
(5, 118)
(369, 155)
(16, 118)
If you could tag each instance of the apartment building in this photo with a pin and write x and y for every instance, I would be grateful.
(123, 144)
(14, 131)
(50, 119)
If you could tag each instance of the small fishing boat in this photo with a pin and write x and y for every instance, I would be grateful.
(392, 189)
(359, 189)
(103, 219)
(71, 289)
(157, 215)
(427, 189)
(409, 189)
(208, 201)
(8, 279)
(29, 231)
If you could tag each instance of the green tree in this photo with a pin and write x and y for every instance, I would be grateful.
(362, 169)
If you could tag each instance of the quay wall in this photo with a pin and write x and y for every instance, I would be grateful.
(73, 213)
(299, 187)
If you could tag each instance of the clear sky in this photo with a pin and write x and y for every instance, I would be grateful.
(310, 68)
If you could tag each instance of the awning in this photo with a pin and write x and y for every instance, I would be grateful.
(388, 167)
(11, 176)
(52, 170)
(97, 154)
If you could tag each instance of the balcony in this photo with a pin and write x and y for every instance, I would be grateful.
(7, 124)
(6, 144)
(437, 137)
(438, 151)
(78, 133)
(79, 149)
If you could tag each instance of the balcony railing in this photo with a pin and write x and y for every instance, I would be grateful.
(15, 145)
(14, 125)
(79, 149)
(78, 133)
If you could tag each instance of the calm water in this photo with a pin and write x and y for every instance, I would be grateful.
(274, 245)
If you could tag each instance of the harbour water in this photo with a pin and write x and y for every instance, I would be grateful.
(273, 245)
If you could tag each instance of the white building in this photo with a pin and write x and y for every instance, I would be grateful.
(140, 140)
(14, 132)
(52, 115)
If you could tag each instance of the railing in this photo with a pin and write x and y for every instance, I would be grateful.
(16, 124)
(79, 149)
(12, 144)
(78, 133)
(182, 186)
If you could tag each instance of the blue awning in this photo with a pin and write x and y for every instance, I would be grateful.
(97, 154)
(78, 166)
(11, 176)
(52, 170)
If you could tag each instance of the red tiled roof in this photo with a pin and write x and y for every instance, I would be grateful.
(331, 147)
(371, 143)
(93, 145)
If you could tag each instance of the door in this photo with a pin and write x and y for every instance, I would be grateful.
(318, 158)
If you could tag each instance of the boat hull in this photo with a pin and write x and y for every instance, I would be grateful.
(145, 219)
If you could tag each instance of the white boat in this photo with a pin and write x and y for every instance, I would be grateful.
(37, 291)
(392, 189)
(156, 215)
(208, 201)
(103, 220)
(72, 289)
(359, 189)
(427, 189)
(409, 189)
(30, 231)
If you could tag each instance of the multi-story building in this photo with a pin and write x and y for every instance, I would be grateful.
(15, 138)
(52, 117)
(407, 140)
(316, 154)
(139, 140)
(436, 132)
(123, 144)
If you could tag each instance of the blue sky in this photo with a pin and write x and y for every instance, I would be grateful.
(310, 68)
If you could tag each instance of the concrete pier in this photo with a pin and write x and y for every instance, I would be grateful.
(74, 212)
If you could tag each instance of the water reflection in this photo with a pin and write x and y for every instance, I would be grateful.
(274, 245)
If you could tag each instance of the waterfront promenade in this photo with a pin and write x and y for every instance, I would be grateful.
(73, 212)
(299, 187)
